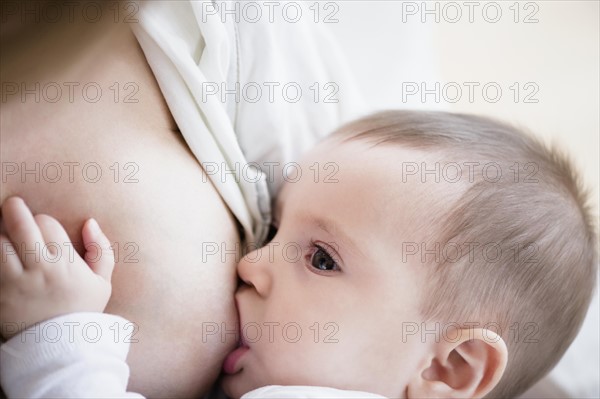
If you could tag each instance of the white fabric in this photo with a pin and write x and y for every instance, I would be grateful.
(82, 355)
(578, 372)
(195, 47)
(278, 391)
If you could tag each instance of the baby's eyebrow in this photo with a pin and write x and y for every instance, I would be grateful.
(332, 228)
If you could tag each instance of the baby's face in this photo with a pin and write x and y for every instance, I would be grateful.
(327, 300)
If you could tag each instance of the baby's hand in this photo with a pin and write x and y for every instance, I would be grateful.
(41, 274)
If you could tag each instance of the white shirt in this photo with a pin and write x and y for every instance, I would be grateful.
(199, 55)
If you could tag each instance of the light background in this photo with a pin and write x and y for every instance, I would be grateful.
(559, 53)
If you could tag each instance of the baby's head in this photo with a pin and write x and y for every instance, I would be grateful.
(419, 254)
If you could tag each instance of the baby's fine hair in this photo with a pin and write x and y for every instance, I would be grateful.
(536, 290)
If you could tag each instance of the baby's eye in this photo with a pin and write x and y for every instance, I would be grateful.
(321, 260)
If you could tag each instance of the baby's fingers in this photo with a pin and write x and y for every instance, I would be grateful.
(10, 265)
(99, 254)
(22, 230)
(55, 236)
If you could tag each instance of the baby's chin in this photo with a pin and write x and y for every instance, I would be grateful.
(229, 387)
(238, 384)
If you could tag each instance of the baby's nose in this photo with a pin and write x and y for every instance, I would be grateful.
(255, 273)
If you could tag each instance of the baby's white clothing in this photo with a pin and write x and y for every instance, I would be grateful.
(298, 392)
(82, 355)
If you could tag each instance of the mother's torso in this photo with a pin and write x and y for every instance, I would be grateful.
(151, 198)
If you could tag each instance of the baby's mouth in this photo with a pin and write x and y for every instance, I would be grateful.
(231, 364)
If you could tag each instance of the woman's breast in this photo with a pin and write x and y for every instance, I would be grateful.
(175, 242)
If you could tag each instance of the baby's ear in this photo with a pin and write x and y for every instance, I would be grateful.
(468, 367)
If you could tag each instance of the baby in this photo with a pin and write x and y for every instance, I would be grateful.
(416, 255)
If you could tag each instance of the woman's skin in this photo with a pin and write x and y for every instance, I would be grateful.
(168, 213)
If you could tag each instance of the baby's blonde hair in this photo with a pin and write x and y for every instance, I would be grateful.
(538, 300)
